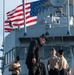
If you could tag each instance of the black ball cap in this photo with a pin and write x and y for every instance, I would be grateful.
(44, 36)
(18, 58)
(53, 49)
(61, 52)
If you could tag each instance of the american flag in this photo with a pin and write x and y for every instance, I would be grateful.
(16, 16)
(8, 26)
(36, 7)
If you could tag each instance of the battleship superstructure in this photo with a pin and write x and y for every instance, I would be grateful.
(57, 22)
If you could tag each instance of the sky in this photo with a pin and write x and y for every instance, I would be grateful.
(1, 22)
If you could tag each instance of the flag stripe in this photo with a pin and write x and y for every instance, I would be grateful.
(17, 13)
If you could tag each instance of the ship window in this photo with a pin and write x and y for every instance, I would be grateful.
(58, 39)
(46, 52)
(6, 59)
(22, 52)
(13, 54)
(68, 39)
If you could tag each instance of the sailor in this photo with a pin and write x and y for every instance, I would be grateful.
(15, 67)
(53, 63)
(33, 56)
(63, 64)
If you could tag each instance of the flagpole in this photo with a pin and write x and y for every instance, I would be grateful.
(3, 33)
(3, 19)
(73, 12)
(24, 12)
(68, 19)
